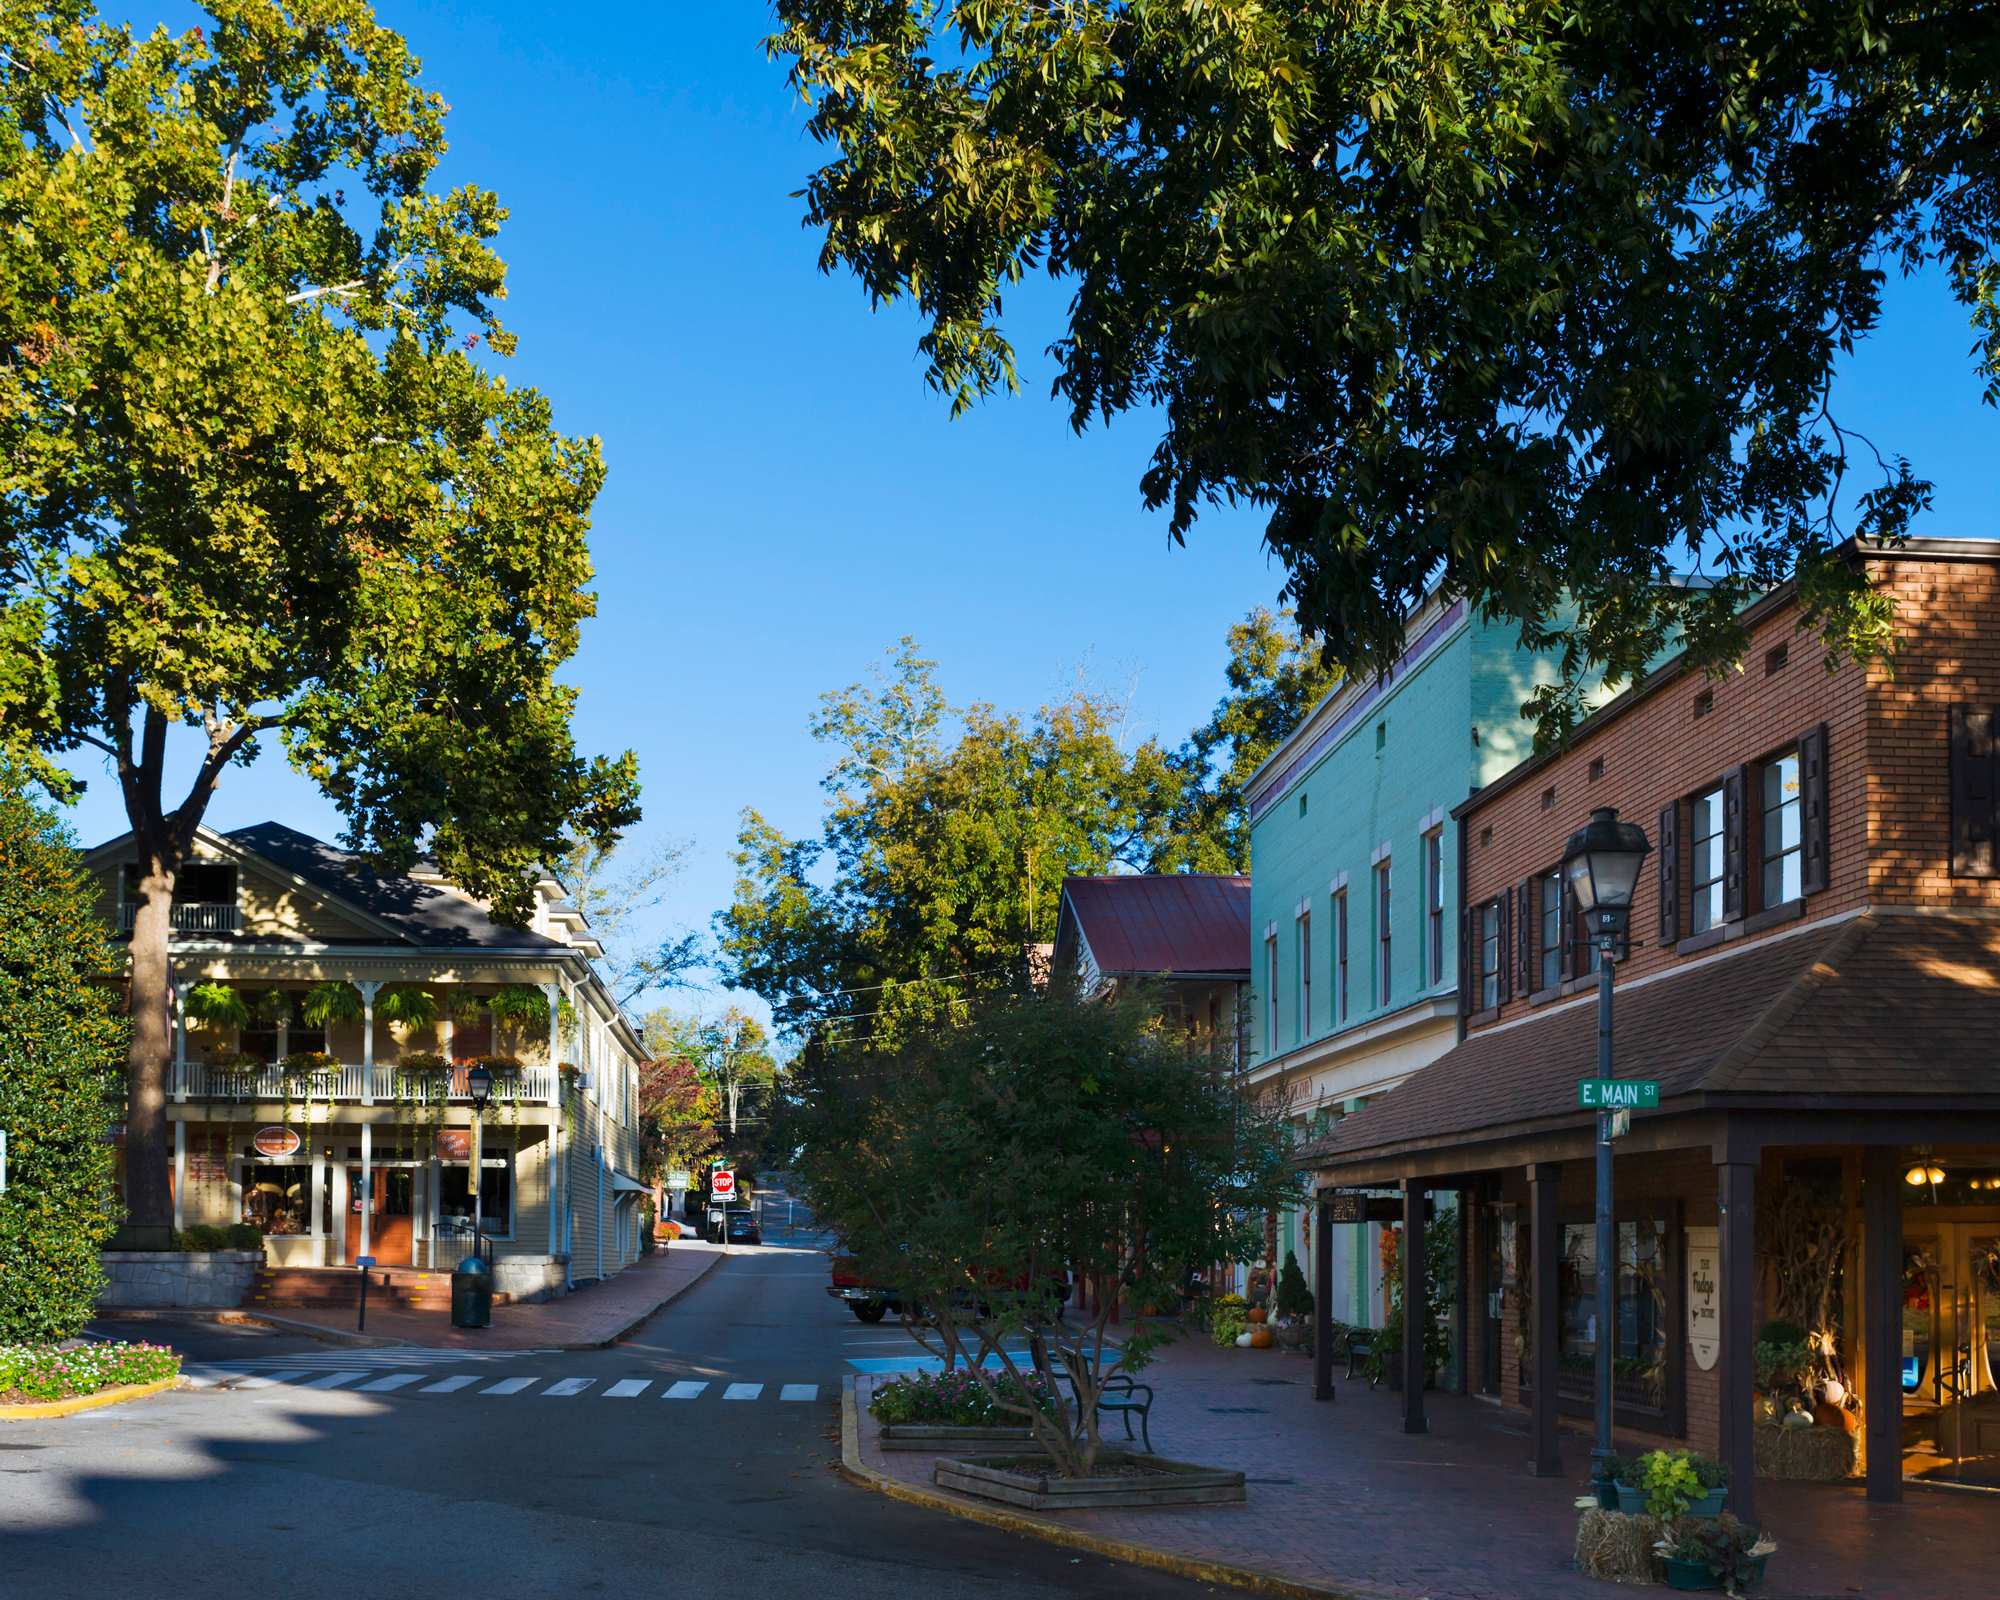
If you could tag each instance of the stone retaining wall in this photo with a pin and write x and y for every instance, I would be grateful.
(531, 1278)
(216, 1279)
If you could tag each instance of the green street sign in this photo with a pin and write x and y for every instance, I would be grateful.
(1601, 1094)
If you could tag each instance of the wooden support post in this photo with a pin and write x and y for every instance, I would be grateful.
(1882, 1320)
(1323, 1302)
(1468, 1277)
(1416, 1313)
(1544, 1319)
(1736, 1198)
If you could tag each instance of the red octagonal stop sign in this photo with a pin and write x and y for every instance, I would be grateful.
(722, 1185)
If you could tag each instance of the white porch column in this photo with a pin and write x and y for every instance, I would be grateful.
(368, 991)
(180, 1175)
(367, 1177)
(318, 1230)
(553, 1152)
(180, 1043)
(336, 1246)
(432, 1205)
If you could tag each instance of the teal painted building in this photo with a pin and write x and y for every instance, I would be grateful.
(1355, 867)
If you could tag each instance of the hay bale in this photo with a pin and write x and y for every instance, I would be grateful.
(1804, 1455)
(1611, 1545)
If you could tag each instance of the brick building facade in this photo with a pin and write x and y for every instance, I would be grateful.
(1812, 978)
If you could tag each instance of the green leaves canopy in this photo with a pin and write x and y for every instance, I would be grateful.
(1542, 297)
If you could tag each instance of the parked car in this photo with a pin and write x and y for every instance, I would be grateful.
(743, 1229)
(870, 1302)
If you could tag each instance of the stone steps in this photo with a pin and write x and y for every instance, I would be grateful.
(337, 1287)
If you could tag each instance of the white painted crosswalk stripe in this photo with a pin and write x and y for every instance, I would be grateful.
(743, 1391)
(508, 1386)
(395, 1380)
(269, 1379)
(799, 1391)
(627, 1388)
(448, 1385)
(569, 1386)
(686, 1389)
(333, 1380)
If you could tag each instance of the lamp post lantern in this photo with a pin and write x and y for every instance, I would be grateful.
(479, 1088)
(1601, 864)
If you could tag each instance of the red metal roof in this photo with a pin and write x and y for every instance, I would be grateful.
(1170, 922)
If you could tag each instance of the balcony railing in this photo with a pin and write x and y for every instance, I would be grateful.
(198, 1081)
(191, 918)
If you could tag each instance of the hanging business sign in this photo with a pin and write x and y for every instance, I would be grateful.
(1704, 1292)
(678, 1182)
(454, 1144)
(276, 1143)
(1345, 1208)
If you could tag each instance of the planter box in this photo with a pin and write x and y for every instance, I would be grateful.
(1632, 1502)
(1695, 1576)
(941, 1440)
(1032, 1484)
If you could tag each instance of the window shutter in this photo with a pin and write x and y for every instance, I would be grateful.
(1735, 842)
(1466, 984)
(1972, 808)
(1524, 937)
(1568, 919)
(1670, 873)
(1503, 979)
(1813, 865)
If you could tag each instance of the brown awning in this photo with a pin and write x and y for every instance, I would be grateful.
(1882, 1007)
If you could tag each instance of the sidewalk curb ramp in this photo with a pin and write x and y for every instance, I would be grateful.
(112, 1396)
(1049, 1530)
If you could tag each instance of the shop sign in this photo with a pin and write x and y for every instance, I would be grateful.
(679, 1182)
(1346, 1208)
(1704, 1291)
(454, 1144)
(275, 1142)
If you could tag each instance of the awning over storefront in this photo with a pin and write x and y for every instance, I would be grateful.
(1880, 1011)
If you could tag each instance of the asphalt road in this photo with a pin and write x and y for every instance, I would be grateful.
(289, 1491)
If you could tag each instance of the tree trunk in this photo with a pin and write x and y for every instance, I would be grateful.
(148, 1062)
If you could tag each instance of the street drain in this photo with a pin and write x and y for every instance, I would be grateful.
(1231, 1411)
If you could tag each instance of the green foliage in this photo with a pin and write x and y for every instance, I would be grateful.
(219, 1236)
(219, 1003)
(1780, 1359)
(1675, 1479)
(959, 1400)
(1728, 1548)
(971, 1163)
(1543, 298)
(60, 1047)
(331, 1002)
(1614, 1469)
(45, 1372)
(521, 1006)
(407, 1004)
(1439, 1295)
(1294, 1299)
(1228, 1323)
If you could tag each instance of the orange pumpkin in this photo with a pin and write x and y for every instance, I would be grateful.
(1256, 1314)
(1260, 1338)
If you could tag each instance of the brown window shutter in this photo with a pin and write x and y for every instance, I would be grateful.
(1813, 865)
(1503, 983)
(1735, 842)
(1568, 920)
(1524, 936)
(1468, 934)
(1972, 802)
(1670, 873)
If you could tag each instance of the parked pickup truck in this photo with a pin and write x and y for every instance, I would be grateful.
(870, 1302)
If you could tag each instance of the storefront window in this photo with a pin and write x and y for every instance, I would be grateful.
(496, 1197)
(279, 1199)
(1639, 1355)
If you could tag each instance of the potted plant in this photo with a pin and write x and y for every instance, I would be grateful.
(1604, 1478)
(1228, 1320)
(1673, 1483)
(1723, 1554)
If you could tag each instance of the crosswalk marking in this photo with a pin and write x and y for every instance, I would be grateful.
(686, 1389)
(627, 1388)
(508, 1386)
(799, 1391)
(333, 1380)
(568, 1386)
(743, 1391)
(448, 1385)
(269, 1379)
(395, 1380)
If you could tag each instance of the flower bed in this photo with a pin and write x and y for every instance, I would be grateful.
(956, 1400)
(33, 1373)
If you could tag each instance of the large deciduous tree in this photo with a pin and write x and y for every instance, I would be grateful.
(256, 481)
(1543, 298)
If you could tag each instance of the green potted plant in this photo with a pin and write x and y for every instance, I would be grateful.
(1673, 1483)
(1723, 1554)
(1605, 1476)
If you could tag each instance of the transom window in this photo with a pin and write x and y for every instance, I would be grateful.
(1782, 859)
(1705, 859)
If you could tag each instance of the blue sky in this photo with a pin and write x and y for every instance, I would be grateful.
(786, 497)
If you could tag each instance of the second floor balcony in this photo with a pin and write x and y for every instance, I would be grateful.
(188, 917)
(354, 1084)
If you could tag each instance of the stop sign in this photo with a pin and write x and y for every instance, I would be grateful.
(722, 1184)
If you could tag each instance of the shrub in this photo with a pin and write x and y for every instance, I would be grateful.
(1615, 1469)
(1727, 1547)
(958, 1400)
(48, 1372)
(1228, 1321)
(245, 1236)
(1294, 1298)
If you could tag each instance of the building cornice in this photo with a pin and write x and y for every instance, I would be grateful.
(1336, 1047)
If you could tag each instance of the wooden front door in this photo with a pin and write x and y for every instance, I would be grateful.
(389, 1223)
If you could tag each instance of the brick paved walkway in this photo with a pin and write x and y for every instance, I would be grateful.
(580, 1320)
(1340, 1495)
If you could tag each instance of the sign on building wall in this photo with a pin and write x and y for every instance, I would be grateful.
(1704, 1291)
(275, 1142)
(454, 1144)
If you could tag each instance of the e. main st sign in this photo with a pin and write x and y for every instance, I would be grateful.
(1618, 1094)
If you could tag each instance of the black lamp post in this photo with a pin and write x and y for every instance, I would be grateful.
(479, 1086)
(1601, 864)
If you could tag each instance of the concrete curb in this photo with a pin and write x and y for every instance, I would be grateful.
(632, 1322)
(261, 1319)
(1258, 1579)
(115, 1395)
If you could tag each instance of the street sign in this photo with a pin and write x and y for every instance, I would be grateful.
(680, 1182)
(1621, 1123)
(722, 1183)
(1608, 1094)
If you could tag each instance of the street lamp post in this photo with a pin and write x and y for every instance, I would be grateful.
(479, 1086)
(1601, 864)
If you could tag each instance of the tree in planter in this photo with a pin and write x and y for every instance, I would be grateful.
(969, 1165)
(270, 491)
(1440, 1295)
(59, 1052)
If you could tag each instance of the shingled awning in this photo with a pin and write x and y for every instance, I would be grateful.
(1882, 1009)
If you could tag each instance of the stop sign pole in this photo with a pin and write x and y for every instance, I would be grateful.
(721, 1188)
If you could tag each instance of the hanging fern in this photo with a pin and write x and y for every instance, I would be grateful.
(331, 1002)
(218, 1003)
(407, 1004)
(520, 1005)
(272, 1007)
(465, 1007)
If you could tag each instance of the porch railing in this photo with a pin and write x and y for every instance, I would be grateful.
(198, 1081)
(196, 917)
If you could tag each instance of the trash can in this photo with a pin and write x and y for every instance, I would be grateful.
(472, 1294)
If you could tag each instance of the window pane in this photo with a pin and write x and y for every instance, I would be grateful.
(1781, 831)
(1552, 899)
(1489, 956)
(1705, 860)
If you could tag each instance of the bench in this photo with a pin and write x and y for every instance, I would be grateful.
(1122, 1395)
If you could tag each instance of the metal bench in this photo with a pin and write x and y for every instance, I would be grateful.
(1121, 1394)
(1359, 1343)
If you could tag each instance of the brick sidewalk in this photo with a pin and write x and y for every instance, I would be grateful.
(1339, 1495)
(581, 1320)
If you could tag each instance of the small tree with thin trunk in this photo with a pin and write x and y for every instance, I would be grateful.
(976, 1166)
(256, 481)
